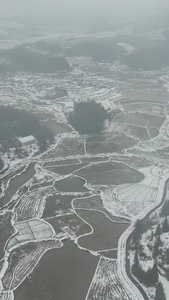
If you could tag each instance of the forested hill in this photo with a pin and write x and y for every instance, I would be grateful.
(22, 58)
(150, 58)
(99, 49)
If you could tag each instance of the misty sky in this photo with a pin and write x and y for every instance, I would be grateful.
(84, 8)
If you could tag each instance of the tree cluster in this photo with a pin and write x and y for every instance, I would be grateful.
(18, 123)
(165, 209)
(165, 226)
(88, 117)
(1, 164)
(160, 295)
(149, 277)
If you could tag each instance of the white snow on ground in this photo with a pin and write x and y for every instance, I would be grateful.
(130, 199)
(106, 283)
(159, 142)
(130, 49)
(165, 284)
(29, 231)
(6, 295)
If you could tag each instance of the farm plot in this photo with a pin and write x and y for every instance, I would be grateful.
(69, 225)
(153, 108)
(151, 96)
(29, 231)
(65, 169)
(122, 141)
(100, 167)
(110, 144)
(161, 153)
(131, 199)
(98, 148)
(71, 185)
(133, 161)
(98, 138)
(105, 233)
(56, 128)
(60, 282)
(68, 146)
(6, 230)
(13, 173)
(41, 115)
(94, 159)
(40, 185)
(23, 260)
(110, 174)
(131, 119)
(106, 283)
(61, 162)
(110, 254)
(93, 202)
(57, 204)
(30, 205)
(6, 295)
(138, 132)
(17, 182)
(153, 120)
(140, 122)
(159, 142)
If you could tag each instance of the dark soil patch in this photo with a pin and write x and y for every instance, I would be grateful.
(56, 203)
(110, 175)
(6, 230)
(137, 132)
(109, 254)
(62, 274)
(71, 185)
(17, 182)
(56, 127)
(70, 224)
(106, 233)
(65, 170)
(61, 162)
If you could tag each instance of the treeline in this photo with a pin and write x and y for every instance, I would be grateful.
(22, 58)
(158, 251)
(149, 277)
(1, 164)
(52, 48)
(19, 123)
(99, 49)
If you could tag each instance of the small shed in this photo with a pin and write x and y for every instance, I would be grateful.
(27, 140)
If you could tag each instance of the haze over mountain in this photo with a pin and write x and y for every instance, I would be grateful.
(76, 9)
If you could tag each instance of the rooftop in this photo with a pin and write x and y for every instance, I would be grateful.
(25, 139)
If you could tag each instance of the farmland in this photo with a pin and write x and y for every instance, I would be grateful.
(66, 214)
